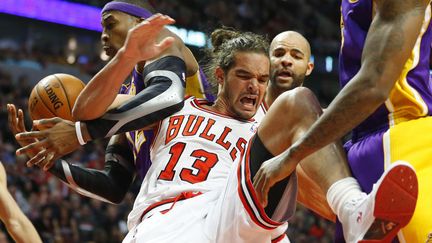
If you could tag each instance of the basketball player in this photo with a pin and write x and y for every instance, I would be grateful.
(290, 64)
(17, 224)
(209, 140)
(384, 68)
(117, 18)
(290, 52)
(163, 75)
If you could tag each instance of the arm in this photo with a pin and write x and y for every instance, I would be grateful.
(110, 184)
(389, 43)
(163, 96)
(119, 100)
(140, 45)
(17, 224)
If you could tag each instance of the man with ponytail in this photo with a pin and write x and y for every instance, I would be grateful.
(201, 186)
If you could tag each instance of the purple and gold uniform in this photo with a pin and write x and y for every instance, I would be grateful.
(400, 128)
(140, 141)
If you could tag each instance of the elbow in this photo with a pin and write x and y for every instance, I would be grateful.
(376, 86)
(82, 113)
(177, 103)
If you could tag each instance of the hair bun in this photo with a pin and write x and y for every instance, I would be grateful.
(220, 36)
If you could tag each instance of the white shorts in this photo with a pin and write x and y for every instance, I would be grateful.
(230, 214)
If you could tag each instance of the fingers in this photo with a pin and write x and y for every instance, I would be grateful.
(44, 159)
(36, 146)
(257, 184)
(165, 43)
(154, 23)
(160, 19)
(260, 183)
(264, 192)
(12, 118)
(20, 121)
(30, 135)
(37, 159)
(49, 161)
(46, 123)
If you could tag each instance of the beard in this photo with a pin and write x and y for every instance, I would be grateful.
(285, 85)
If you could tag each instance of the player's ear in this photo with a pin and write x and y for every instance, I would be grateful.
(220, 75)
(310, 67)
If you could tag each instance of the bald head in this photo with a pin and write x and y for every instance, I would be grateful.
(294, 39)
(290, 61)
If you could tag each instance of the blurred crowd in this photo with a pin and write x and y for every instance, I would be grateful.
(317, 20)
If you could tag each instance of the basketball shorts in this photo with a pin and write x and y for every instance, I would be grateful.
(410, 141)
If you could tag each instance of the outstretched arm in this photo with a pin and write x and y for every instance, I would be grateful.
(389, 43)
(163, 96)
(17, 224)
(110, 184)
(140, 45)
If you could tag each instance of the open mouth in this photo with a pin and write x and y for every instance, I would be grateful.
(249, 100)
(285, 74)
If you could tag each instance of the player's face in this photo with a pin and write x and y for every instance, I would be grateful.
(115, 28)
(289, 58)
(244, 85)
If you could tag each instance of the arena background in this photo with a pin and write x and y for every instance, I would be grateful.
(41, 37)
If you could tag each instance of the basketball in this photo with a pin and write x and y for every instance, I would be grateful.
(54, 95)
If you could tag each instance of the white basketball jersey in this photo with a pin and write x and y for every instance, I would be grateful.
(193, 151)
(262, 110)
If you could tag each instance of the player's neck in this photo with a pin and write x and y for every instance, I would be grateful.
(221, 106)
(272, 93)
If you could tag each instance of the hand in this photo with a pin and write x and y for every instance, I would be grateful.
(56, 140)
(271, 172)
(141, 40)
(16, 123)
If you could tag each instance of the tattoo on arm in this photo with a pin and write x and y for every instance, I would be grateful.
(389, 44)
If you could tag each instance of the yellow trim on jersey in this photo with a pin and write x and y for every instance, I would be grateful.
(140, 138)
(194, 86)
(342, 26)
(404, 102)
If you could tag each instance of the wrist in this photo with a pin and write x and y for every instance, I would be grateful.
(298, 151)
(126, 58)
(82, 133)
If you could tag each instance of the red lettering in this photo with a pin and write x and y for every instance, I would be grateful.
(205, 134)
(204, 162)
(173, 128)
(223, 136)
(187, 130)
(240, 146)
(176, 151)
